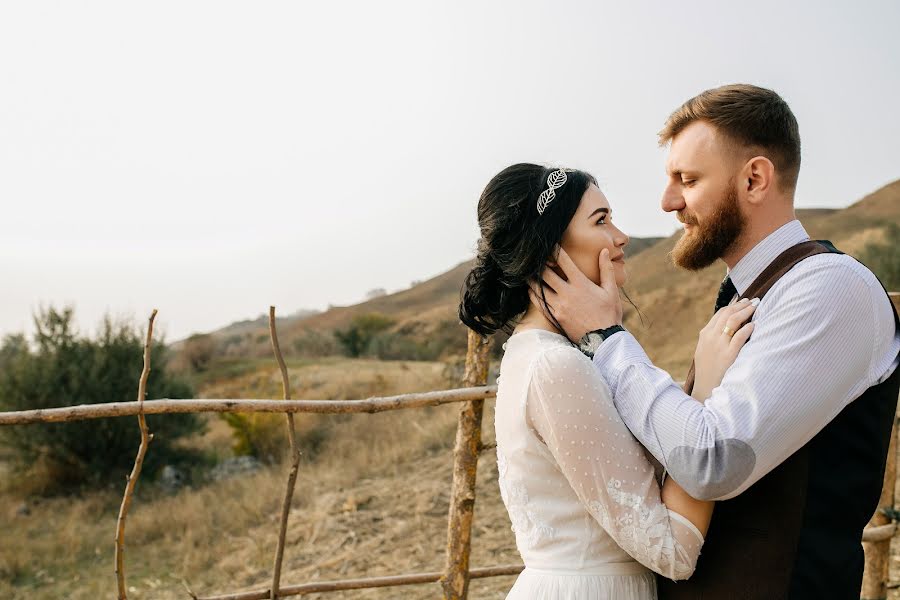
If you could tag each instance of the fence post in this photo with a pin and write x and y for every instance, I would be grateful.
(455, 581)
(881, 527)
(877, 551)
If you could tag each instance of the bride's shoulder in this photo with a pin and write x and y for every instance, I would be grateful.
(561, 361)
(564, 375)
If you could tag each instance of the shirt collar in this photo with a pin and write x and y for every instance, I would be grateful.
(761, 255)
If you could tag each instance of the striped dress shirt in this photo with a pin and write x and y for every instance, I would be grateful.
(823, 335)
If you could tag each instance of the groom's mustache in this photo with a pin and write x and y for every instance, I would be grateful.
(687, 218)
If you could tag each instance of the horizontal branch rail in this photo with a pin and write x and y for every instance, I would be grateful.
(168, 406)
(879, 533)
(371, 582)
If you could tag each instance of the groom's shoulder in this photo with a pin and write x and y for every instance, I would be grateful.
(836, 278)
(833, 268)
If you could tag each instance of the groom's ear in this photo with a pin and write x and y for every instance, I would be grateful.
(757, 179)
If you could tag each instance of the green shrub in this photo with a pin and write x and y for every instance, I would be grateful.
(355, 340)
(236, 345)
(264, 435)
(449, 338)
(260, 435)
(884, 258)
(198, 352)
(391, 345)
(414, 342)
(314, 344)
(61, 368)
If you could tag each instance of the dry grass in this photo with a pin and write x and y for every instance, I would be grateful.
(372, 502)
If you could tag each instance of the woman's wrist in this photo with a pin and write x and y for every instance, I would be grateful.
(701, 390)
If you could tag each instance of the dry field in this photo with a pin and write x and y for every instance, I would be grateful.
(373, 501)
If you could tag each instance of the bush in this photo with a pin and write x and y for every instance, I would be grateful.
(355, 340)
(198, 352)
(313, 344)
(260, 435)
(60, 368)
(264, 435)
(449, 338)
(414, 342)
(236, 345)
(884, 258)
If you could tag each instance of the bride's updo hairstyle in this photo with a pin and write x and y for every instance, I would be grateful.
(516, 243)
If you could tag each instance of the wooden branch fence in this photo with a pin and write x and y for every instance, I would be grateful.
(454, 579)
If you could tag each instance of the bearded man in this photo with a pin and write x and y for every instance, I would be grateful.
(793, 442)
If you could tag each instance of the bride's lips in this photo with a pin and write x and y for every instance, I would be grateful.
(620, 258)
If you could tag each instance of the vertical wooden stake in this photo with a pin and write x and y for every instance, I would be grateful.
(877, 554)
(455, 581)
(295, 460)
(131, 482)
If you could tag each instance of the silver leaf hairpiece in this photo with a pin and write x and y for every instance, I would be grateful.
(555, 180)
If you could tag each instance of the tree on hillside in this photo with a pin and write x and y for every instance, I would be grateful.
(310, 343)
(198, 351)
(61, 368)
(884, 258)
(417, 340)
(356, 338)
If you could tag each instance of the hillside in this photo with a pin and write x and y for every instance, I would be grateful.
(674, 302)
(436, 298)
(421, 306)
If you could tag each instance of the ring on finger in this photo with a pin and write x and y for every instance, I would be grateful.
(728, 331)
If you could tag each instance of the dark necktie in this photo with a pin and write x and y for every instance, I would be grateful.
(727, 291)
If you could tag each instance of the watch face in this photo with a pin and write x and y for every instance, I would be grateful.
(590, 341)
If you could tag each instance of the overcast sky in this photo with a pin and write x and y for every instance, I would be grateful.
(212, 158)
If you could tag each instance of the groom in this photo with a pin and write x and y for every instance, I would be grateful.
(794, 441)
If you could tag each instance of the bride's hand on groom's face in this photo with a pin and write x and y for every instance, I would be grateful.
(579, 304)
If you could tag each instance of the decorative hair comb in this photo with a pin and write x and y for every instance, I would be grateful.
(555, 180)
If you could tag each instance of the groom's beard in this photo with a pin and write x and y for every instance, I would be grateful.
(711, 240)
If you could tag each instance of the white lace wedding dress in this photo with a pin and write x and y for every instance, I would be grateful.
(582, 496)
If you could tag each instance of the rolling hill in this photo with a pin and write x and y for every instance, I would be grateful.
(674, 303)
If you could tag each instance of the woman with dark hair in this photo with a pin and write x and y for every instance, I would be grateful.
(590, 518)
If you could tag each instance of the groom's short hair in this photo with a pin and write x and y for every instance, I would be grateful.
(749, 116)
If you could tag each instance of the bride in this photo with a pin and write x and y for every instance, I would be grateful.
(590, 518)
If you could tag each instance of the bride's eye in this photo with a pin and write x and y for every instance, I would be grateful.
(601, 220)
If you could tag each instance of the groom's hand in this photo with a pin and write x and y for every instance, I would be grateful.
(577, 303)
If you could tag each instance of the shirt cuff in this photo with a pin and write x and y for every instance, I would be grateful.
(617, 353)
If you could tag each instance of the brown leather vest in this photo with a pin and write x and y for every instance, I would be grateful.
(796, 533)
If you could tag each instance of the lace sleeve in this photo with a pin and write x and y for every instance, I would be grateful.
(570, 407)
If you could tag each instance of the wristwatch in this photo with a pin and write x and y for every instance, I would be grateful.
(589, 343)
